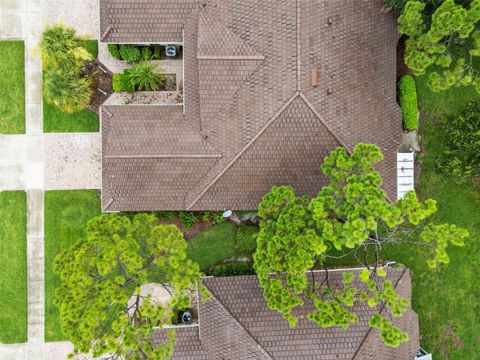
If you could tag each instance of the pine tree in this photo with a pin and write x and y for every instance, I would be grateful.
(102, 273)
(445, 42)
(350, 214)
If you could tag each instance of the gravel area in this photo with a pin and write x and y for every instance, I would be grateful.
(72, 161)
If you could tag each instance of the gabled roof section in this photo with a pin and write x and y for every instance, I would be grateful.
(288, 150)
(144, 20)
(243, 306)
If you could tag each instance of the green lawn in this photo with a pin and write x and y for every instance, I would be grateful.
(213, 245)
(12, 85)
(66, 216)
(13, 267)
(83, 121)
(447, 299)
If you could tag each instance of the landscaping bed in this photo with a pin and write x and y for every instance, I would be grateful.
(12, 83)
(54, 120)
(13, 267)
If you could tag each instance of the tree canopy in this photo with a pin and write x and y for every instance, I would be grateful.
(101, 274)
(447, 42)
(351, 214)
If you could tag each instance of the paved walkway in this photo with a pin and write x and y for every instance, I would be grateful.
(72, 161)
(22, 160)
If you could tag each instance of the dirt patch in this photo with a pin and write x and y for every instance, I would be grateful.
(402, 68)
(196, 229)
(102, 84)
(449, 339)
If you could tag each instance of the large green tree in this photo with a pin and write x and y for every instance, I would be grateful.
(447, 42)
(351, 215)
(102, 308)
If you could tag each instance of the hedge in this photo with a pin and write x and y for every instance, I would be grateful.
(231, 269)
(407, 95)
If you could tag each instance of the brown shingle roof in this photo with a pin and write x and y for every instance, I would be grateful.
(144, 20)
(248, 96)
(237, 324)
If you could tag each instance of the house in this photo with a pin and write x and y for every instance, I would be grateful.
(269, 89)
(237, 324)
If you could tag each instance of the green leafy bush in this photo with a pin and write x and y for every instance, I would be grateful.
(461, 157)
(157, 52)
(187, 219)
(207, 215)
(407, 95)
(130, 53)
(246, 240)
(146, 53)
(231, 269)
(121, 82)
(114, 51)
(168, 215)
(218, 218)
(143, 76)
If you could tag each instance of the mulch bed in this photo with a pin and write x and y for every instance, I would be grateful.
(102, 79)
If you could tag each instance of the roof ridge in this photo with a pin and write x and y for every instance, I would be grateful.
(383, 309)
(244, 149)
(239, 324)
(323, 121)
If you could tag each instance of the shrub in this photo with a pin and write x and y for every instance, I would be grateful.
(218, 218)
(142, 76)
(187, 219)
(157, 52)
(246, 239)
(231, 269)
(146, 53)
(207, 215)
(121, 82)
(461, 157)
(114, 51)
(117, 82)
(69, 92)
(407, 95)
(130, 53)
(168, 215)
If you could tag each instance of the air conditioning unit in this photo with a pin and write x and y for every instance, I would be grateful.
(171, 51)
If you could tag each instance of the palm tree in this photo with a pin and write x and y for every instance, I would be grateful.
(69, 92)
(61, 48)
(142, 76)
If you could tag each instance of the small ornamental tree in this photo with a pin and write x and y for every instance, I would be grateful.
(102, 273)
(448, 41)
(350, 214)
